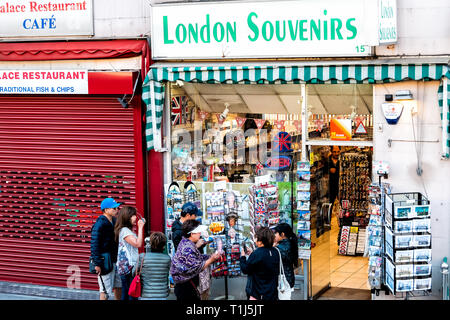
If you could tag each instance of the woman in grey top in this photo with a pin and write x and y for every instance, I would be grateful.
(155, 269)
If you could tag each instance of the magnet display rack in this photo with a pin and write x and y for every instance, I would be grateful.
(354, 180)
(407, 243)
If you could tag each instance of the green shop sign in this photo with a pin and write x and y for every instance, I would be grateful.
(306, 28)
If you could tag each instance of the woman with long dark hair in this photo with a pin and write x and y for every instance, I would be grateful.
(262, 267)
(129, 244)
(286, 242)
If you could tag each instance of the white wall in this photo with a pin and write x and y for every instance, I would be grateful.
(121, 19)
(402, 158)
(423, 28)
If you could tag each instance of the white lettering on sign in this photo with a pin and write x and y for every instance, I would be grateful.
(44, 82)
(45, 18)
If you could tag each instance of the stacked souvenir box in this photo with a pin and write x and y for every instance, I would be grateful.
(352, 239)
(303, 209)
(408, 242)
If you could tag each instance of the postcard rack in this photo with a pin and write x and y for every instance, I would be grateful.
(407, 242)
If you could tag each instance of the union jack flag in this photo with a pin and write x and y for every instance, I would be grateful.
(282, 142)
(260, 210)
(179, 110)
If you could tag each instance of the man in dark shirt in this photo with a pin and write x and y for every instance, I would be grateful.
(189, 211)
(333, 171)
(102, 241)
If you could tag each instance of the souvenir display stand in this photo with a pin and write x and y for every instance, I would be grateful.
(375, 235)
(174, 203)
(303, 209)
(407, 243)
(223, 209)
(354, 180)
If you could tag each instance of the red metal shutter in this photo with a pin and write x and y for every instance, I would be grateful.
(59, 157)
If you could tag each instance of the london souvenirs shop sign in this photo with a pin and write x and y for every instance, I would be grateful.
(305, 28)
(46, 18)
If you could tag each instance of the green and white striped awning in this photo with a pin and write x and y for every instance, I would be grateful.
(153, 87)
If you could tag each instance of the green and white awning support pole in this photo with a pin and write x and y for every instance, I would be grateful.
(304, 121)
(445, 116)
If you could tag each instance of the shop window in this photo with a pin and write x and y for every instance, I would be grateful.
(340, 112)
(228, 132)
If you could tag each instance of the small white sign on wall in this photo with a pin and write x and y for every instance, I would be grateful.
(387, 17)
(46, 18)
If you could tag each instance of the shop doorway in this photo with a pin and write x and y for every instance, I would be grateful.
(340, 134)
(340, 177)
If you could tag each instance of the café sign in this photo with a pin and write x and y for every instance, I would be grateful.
(46, 18)
(306, 28)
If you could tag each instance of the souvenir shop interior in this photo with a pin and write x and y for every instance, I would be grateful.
(237, 154)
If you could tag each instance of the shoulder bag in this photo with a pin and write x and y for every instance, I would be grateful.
(106, 264)
(136, 285)
(284, 288)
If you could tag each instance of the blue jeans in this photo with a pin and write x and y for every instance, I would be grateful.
(126, 282)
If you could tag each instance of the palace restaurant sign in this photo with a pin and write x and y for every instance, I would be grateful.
(305, 28)
(46, 18)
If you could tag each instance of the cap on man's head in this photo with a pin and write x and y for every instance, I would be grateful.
(190, 208)
(108, 203)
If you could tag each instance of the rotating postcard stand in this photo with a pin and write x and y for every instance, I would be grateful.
(407, 243)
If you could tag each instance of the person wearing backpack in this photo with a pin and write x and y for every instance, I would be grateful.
(129, 244)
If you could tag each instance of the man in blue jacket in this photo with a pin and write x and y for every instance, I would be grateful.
(189, 211)
(102, 241)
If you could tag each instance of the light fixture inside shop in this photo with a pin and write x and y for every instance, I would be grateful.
(403, 95)
(179, 83)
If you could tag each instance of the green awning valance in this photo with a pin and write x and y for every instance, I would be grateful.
(153, 87)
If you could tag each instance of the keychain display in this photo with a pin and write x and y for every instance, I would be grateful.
(354, 181)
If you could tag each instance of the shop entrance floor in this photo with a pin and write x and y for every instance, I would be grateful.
(345, 294)
(346, 271)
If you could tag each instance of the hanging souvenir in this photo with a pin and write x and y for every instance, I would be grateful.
(203, 115)
(282, 142)
(279, 124)
(179, 108)
(220, 119)
(240, 121)
(297, 124)
(259, 123)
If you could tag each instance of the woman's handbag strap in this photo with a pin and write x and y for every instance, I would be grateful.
(281, 262)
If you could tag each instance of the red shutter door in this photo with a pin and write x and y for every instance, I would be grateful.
(59, 157)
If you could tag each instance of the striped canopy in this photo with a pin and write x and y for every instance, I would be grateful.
(153, 87)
